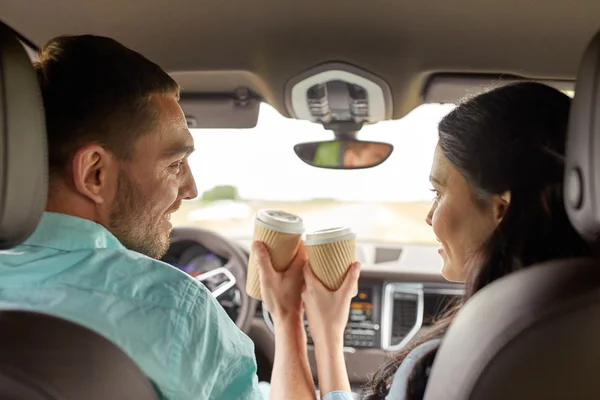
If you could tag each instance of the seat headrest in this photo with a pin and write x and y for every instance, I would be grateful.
(530, 335)
(23, 158)
(582, 178)
(49, 358)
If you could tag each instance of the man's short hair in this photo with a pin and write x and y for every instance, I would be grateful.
(356, 146)
(96, 90)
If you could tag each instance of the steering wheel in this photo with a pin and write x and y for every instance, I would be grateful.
(233, 273)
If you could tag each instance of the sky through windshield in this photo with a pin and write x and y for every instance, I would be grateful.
(262, 165)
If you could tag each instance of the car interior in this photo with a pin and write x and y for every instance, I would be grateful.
(336, 69)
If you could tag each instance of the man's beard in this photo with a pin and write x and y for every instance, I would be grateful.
(133, 223)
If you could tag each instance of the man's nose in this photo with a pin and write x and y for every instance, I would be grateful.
(188, 190)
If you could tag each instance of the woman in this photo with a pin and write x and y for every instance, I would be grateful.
(497, 177)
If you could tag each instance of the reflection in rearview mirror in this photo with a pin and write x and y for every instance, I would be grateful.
(343, 154)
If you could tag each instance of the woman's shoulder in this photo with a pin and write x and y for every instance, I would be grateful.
(411, 376)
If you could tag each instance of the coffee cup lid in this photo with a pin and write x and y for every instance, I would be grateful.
(280, 221)
(326, 236)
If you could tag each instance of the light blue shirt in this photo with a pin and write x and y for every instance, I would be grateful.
(338, 395)
(166, 321)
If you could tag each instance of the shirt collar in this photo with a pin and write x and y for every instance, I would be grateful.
(69, 233)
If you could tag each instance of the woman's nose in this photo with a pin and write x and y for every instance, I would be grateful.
(429, 217)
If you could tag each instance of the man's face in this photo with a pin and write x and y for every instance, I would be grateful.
(152, 185)
(369, 154)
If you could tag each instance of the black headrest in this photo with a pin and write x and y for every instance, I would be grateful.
(530, 335)
(47, 358)
(23, 158)
(582, 183)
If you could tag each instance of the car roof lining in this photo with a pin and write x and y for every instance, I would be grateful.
(264, 43)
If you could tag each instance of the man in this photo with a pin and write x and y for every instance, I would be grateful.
(365, 154)
(118, 150)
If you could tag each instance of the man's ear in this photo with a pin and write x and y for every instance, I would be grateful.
(91, 168)
(500, 205)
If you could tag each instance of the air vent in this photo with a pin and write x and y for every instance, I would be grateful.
(404, 316)
(387, 254)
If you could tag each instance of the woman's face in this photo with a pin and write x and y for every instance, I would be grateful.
(460, 224)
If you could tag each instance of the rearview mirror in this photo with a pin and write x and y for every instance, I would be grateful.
(343, 154)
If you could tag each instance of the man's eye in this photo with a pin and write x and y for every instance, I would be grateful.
(177, 166)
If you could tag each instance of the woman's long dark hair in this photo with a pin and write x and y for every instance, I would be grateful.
(508, 139)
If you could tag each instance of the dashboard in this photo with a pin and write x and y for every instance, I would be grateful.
(401, 293)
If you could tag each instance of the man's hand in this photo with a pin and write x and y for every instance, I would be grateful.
(281, 291)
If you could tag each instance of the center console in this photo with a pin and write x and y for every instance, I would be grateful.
(383, 317)
(387, 315)
(364, 319)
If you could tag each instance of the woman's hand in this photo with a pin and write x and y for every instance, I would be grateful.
(327, 311)
(281, 291)
(327, 314)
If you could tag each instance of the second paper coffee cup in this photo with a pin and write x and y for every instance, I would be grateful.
(331, 252)
(282, 234)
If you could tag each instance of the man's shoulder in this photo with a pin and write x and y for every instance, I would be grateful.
(153, 278)
(142, 279)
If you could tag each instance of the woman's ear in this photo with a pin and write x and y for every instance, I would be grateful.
(500, 206)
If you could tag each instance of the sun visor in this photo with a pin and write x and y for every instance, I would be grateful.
(221, 111)
(454, 88)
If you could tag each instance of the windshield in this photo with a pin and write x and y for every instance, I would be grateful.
(239, 171)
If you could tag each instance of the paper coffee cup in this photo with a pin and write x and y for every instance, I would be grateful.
(282, 234)
(331, 252)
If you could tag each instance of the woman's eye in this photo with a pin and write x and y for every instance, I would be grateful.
(436, 194)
